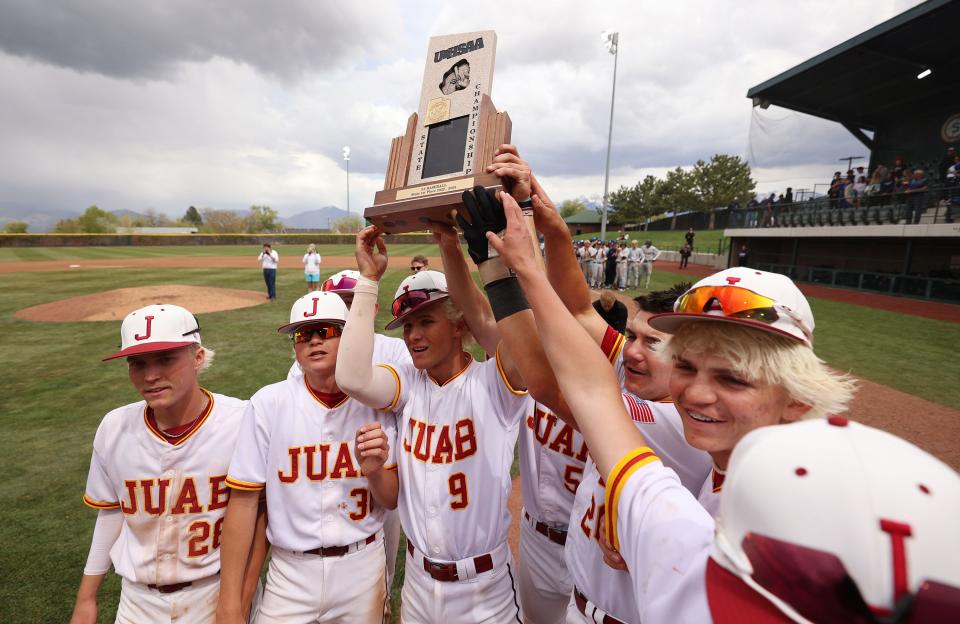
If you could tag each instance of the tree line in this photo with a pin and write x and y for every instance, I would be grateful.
(95, 220)
(704, 186)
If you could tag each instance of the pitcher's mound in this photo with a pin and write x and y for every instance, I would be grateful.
(113, 305)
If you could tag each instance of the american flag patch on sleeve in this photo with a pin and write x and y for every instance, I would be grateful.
(638, 409)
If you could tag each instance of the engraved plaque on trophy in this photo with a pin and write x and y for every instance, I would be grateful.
(449, 141)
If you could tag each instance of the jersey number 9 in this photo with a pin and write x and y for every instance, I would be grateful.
(458, 489)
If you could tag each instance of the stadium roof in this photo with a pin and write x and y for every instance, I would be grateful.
(590, 217)
(870, 81)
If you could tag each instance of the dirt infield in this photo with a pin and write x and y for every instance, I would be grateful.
(110, 305)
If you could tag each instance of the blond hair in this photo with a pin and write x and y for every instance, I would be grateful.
(455, 314)
(208, 357)
(763, 356)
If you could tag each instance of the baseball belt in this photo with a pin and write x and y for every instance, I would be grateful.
(446, 572)
(591, 611)
(557, 536)
(175, 587)
(339, 551)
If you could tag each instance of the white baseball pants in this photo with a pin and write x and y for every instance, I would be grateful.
(633, 274)
(544, 582)
(488, 597)
(141, 605)
(310, 588)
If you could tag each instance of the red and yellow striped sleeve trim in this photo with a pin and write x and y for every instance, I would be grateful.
(396, 395)
(503, 375)
(89, 502)
(244, 485)
(612, 344)
(392, 467)
(621, 473)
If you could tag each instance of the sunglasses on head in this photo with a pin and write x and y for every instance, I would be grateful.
(411, 299)
(305, 333)
(735, 302)
(816, 584)
(344, 283)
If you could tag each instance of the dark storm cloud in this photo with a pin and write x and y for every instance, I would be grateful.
(149, 39)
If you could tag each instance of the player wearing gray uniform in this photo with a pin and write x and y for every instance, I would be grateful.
(633, 265)
(648, 255)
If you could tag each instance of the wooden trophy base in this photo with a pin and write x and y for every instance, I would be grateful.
(400, 208)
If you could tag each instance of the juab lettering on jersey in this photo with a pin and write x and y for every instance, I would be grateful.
(543, 423)
(342, 468)
(140, 494)
(440, 448)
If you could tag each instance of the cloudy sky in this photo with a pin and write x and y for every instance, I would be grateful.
(228, 103)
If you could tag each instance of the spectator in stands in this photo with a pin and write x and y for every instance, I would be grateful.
(859, 188)
(788, 196)
(753, 208)
(833, 192)
(897, 171)
(860, 172)
(849, 193)
(768, 211)
(689, 236)
(685, 252)
(743, 256)
(904, 182)
(946, 162)
(916, 191)
(612, 311)
(887, 183)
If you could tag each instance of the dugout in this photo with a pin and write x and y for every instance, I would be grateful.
(877, 85)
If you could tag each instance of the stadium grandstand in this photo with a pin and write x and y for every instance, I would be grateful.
(891, 224)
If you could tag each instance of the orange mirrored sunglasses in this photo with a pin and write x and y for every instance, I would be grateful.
(305, 333)
(735, 302)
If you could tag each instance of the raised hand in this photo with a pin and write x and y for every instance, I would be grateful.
(485, 215)
(514, 172)
(546, 217)
(516, 246)
(371, 448)
(444, 235)
(372, 265)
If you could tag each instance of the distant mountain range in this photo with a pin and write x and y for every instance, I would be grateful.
(45, 220)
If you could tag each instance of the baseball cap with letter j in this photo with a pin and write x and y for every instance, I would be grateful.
(828, 520)
(158, 327)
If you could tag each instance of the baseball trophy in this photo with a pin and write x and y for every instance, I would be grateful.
(449, 141)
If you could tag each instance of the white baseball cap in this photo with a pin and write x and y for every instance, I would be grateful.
(158, 327)
(342, 282)
(828, 520)
(417, 290)
(315, 307)
(768, 301)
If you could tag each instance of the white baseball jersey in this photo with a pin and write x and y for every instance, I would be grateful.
(646, 503)
(649, 254)
(173, 494)
(302, 452)
(612, 590)
(633, 254)
(623, 256)
(455, 449)
(386, 349)
(553, 455)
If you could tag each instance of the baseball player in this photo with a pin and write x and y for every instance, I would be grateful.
(648, 255)
(459, 424)
(326, 465)
(158, 478)
(775, 508)
(552, 454)
(623, 261)
(598, 261)
(388, 350)
(633, 264)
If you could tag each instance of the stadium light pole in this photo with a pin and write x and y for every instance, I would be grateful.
(346, 157)
(611, 40)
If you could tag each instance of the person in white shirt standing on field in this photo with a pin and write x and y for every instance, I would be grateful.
(311, 268)
(269, 259)
(648, 255)
(633, 264)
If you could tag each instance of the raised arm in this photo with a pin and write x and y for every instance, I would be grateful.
(584, 374)
(563, 270)
(356, 374)
(521, 354)
(464, 291)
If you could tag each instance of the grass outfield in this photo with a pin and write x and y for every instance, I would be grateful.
(26, 254)
(58, 390)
